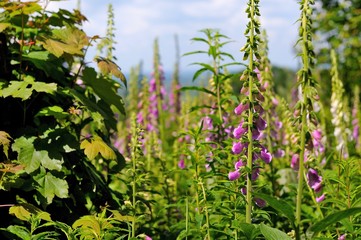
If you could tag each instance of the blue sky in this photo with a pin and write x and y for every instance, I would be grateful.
(139, 22)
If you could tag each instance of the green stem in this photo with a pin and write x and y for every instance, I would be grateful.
(250, 122)
(205, 208)
(305, 80)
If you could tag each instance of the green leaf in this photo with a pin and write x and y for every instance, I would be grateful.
(68, 40)
(54, 111)
(199, 72)
(23, 211)
(89, 222)
(5, 140)
(200, 89)
(279, 205)
(249, 230)
(20, 231)
(32, 159)
(50, 186)
(3, 26)
(103, 88)
(333, 218)
(109, 67)
(23, 89)
(272, 233)
(97, 146)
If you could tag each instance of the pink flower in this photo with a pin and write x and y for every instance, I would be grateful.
(181, 164)
(266, 156)
(234, 175)
(239, 131)
(241, 108)
(238, 147)
(320, 198)
(314, 180)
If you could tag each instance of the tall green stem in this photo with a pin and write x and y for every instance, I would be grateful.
(305, 82)
(250, 121)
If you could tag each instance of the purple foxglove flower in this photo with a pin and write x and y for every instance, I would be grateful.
(260, 97)
(244, 91)
(147, 238)
(241, 108)
(275, 101)
(238, 147)
(355, 132)
(295, 162)
(239, 164)
(153, 98)
(244, 191)
(317, 135)
(181, 164)
(259, 109)
(342, 237)
(140, 118)
(279, 124)
(152, 85)
(239, 131)
(314, 180)
(320, 198)
(234, 175)
(261, 124)
(279, 153)
(255, 134)
(260, 202)
(255, 174)
(266, 156)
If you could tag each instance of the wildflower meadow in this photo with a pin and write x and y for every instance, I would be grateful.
(89, 152)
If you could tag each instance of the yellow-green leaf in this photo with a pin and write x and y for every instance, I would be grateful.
(24, 211)
(97, 146)
(5, 142)
(107, 66)
(3, 26)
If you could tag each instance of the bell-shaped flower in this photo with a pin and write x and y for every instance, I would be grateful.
(241, 108)
(314, 180)
(238, 147)
(234, 175)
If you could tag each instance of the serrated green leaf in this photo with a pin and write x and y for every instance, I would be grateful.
(333, 218)
(23, 89)
(32, 159)
(50, 186)
(272, 233)
(68, 40)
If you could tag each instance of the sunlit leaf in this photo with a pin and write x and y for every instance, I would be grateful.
(68, 40)
(5, 140)
(97, 146)
(24, 89)
(108, 67)
(3, 26)
(50, 186)
(23, 211)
